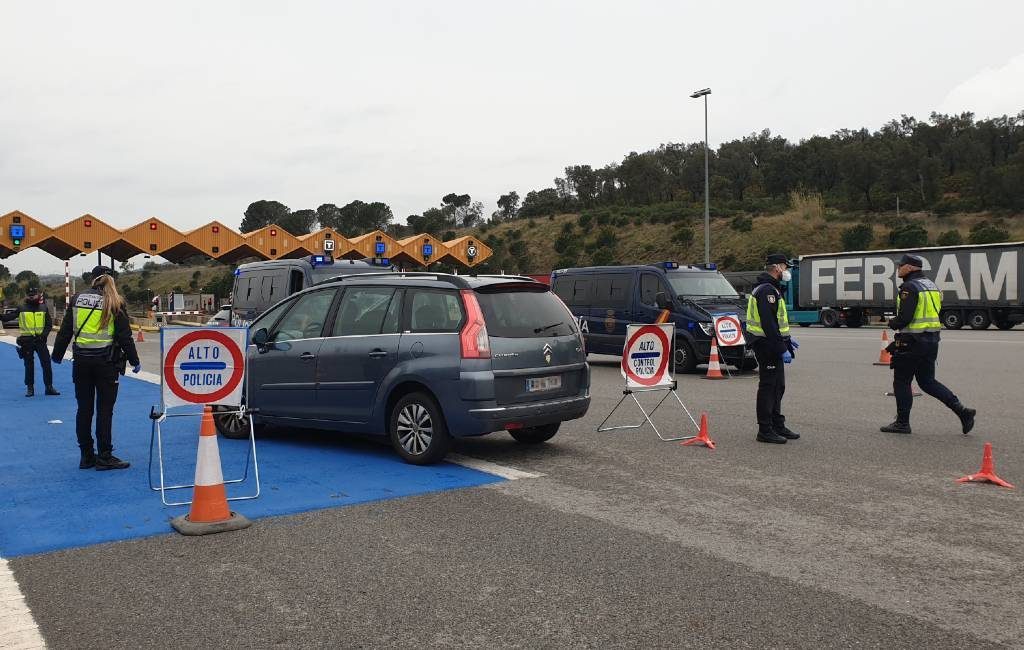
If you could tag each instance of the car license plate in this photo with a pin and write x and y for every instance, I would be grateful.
(537, 384)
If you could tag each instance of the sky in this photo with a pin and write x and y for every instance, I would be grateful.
(189, 111)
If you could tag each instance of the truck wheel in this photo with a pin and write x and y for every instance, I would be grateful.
(952, 320)
(1004, 324)
(685, 360)
(804, 324)
(979, 320)
(854, 317)
(830, 318)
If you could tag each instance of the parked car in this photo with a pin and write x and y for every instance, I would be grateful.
(9, 316)
(222, 318)
(419, 358)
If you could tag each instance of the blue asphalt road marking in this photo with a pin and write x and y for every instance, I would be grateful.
(47, 503)
(645, 355)
(203, 365)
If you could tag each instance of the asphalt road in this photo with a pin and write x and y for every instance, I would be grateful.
(847, 537)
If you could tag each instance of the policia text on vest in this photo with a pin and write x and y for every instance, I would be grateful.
(35, 325)
(101, 350)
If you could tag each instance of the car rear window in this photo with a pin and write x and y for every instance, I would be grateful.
(525, 314)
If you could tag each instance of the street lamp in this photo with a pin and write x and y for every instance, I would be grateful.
(707, 203)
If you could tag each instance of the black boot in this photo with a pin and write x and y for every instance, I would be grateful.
(896, 427)
(108, 460)
(767, 435)
(786, 432)
(88, 459)
(966, 416)
(50, 390)
(30, 391)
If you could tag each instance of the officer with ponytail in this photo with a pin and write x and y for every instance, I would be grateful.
(97, 326)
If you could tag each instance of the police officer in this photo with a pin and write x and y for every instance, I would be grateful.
(35, 324)
(768, 329)
(97, 323)
(916, 346)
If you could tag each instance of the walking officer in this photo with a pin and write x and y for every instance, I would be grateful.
(98, 326)
(768, 330)
(916, 346)
(35, 324)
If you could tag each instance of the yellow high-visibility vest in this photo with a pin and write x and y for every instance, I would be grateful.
(87, 323)
(754, 317)
(929, 304)
(32, 322)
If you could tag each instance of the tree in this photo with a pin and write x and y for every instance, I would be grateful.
(540, 203)
(27, 279)
(950, 238)
(263, 213)
(300, 222)
(508, 205)
(987, 233)
(908, 235)
(857, 238)
(5, 273)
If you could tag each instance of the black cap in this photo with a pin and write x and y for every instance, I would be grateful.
(912, 260)
(97, 271)
(33, 291)
(777, 258)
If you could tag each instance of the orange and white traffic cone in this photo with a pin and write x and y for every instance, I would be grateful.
(138, 337)
(702, 437)
(209, 512)
(714, 367)
(663, 317)
(988, 471)
(884, 358)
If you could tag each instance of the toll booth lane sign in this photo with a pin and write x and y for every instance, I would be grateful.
(646, 354)
(728, 330)
(202, 365)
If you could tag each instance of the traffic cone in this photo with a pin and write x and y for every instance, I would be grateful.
(663, 317)
(714, 369)
(139, 338)
(209, 512)
(702, 437)
(884, 357)
(987, 473)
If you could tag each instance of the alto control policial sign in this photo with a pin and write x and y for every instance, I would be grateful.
(645, 358)
(202, 365)
(728, 330)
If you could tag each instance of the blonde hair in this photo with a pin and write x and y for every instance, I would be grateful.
(112, 300)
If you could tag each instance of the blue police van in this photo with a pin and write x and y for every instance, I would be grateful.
(604, 299)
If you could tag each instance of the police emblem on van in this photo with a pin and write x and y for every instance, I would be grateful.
(547, 353)
(609, 321)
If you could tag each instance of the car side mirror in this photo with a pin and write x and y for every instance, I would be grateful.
(260, 338)
(662, 301)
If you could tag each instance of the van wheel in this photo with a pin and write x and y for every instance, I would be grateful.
(685, 361)
(535, 435)
(417, 430)
(231, 425)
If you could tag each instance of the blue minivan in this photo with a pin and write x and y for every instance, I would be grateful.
(604, 299)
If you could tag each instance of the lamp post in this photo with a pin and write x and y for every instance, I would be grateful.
(707, 202)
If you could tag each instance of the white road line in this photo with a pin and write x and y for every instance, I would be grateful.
(18, 630)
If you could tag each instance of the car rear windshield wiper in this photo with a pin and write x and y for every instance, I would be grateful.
(538, 330)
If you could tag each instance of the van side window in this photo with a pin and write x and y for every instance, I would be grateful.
(563, 289)
(613, 290)
(650, 285)
(279, 287)
(296, 281)
(581, 293)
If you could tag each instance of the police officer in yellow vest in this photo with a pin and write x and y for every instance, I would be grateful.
(768, 332)
(916, 346)
(98, 326)
(35, 324)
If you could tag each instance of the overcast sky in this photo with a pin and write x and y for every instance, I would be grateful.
(189, 111)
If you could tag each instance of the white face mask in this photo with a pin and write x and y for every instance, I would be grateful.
(786, 276)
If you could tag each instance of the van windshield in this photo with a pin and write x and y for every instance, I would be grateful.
(701, 284)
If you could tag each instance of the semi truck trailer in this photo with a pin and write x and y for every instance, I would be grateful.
(980, 284)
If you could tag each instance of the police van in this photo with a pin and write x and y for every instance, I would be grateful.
(604, 299)
(260, 285)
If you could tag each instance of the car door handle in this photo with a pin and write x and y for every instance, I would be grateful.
(378, 354)
(307, 356)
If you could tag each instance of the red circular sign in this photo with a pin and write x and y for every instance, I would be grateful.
(205, 398)
(728, 330)
(663, 364)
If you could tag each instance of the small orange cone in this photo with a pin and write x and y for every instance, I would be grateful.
(714, 368)
(209, 512)
(702, 437)
(663, 317)
(138, 337)
(988, 471)
(884, 358)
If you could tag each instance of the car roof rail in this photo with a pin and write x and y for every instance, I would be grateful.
(506, 277)
(455, 280)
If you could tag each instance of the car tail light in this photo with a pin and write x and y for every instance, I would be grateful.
(473, 338)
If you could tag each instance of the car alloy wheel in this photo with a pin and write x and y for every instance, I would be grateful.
(415, 428)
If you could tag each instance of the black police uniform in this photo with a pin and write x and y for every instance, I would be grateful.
(914, 355)
(96, 375)
(32, 345)
(768, 349)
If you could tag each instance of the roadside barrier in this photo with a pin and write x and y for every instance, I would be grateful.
(702, 437)
(884, 358)
(714, 365)
(209, 512)
(988, 471)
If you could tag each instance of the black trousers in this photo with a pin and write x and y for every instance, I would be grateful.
(36, 345)
(96, 382)
(771, 386)
(918, 361)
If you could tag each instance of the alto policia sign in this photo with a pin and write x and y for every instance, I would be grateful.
(728, 330)
(646, 355)
(202, 365)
